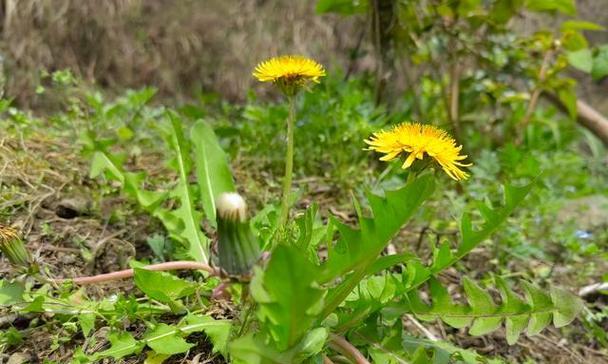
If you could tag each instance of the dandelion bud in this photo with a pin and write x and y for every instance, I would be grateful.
(238, 249)
(13, 247)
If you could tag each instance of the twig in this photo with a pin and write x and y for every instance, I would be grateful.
(593, 288)
(535, 93)
(560, 345)
(587, 116)
(454, 98)
(429, 335)
(339, 344)
(128, 273)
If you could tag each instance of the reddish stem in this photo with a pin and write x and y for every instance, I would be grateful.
(127, 273)
(339, 344)
(327, 360)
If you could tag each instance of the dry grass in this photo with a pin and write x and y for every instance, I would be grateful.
(184, 47)
(180, 47)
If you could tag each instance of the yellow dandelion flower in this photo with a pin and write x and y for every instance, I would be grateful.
(418, 139)
(289, 72)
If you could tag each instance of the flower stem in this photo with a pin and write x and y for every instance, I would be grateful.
(288, 162)
(128, 273)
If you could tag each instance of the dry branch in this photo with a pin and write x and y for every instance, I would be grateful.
(587, 116)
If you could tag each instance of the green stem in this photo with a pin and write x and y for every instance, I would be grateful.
(411, 176)
(341, 292)
(288, 162)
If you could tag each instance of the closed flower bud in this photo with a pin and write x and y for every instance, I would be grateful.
(13, 247)
(238, 249)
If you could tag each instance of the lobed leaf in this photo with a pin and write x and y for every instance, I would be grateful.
(484, 315)
(122, 344)
(165, 339)
(357, 250)
(288, 297)
(218, 331)
(162, 286)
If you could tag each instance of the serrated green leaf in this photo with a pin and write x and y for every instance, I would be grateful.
(480, 300)
(538, 322)
(484, 325)
(250, 350)
(443, 352)
(417, 273)
(217, 330)
(287, 294)
(442, 257)
(512, 304)
(481, 304)
(212, 168)
(457, 322)
(165, 339)
(122, 344)
(359, 249)
(440, 297)
(100, 163)
(387, 261)
(86, 322)
(485, 314)
(542, 304)
(514, 326)
(454, 315)
(494, 217)
(155, 358)
(311, 232)
(567, 306)
(389, 215)
(162, 286)
(37, 305)
(11, 292)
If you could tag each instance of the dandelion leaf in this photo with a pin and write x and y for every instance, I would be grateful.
(484, 315)
(212, 168)
(166, 339)
(287, 295)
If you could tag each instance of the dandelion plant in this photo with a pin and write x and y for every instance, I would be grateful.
(290, 74)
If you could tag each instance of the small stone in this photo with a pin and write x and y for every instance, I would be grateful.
(18, 358)
(70, 208)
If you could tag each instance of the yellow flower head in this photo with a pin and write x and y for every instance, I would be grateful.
(418, 139)
(289, 72)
